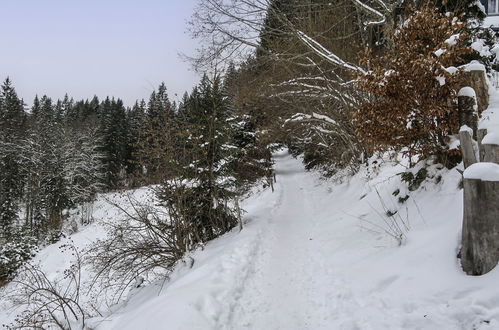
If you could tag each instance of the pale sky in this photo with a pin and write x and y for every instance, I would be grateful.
(121, 48)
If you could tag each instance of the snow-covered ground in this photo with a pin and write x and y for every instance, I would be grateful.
(366, 253)
(305, 260)
(313, 255)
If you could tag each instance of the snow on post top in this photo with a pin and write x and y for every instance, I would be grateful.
(491, 138)
(467, 91)
(483, 172)
(474, 66)
(466, 128)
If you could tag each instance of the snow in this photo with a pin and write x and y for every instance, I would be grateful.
(454, 142)
(467, 91)
(491, 138)
(315, 254)
(304, 261)
(483, 171)
(474, 66)
(452, 41)
(439, 52)
(491, 21)
(451, 69)
(317, 116)
(481, 48)
(326, 54)
(490, 117)
(441, 80)
(466, 128)
(479, 4)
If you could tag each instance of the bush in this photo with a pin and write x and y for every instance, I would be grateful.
(19, 248)
(143, 242)
(414, 181)
(49, 304)
(413, 87)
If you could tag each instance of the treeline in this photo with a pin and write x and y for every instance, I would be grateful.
(59, 154)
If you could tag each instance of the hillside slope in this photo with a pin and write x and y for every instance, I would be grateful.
(309, 258)
(315, 255)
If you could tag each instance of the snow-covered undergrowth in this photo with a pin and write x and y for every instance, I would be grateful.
(315, 255)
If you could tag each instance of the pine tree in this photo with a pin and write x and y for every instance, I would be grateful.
(83, 169)
(156, 135)
(113, 129)
(203, 184)
(135, 122)
(12, 120)
(50, 138)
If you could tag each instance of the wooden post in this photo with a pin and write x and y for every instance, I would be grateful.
(480, 134)
(490, 153)
(480, 236)
(477, 80)
(468, 110)
(489, 148)
(469, 156)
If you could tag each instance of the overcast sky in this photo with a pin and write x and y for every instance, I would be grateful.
(121, 48)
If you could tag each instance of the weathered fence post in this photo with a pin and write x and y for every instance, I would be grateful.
(468, 108)
(480, 134)
(467, 146)
(489, 151)
(476, 78)
(480, 237)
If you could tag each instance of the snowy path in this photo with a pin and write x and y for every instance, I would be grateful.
(283, 292)
(304, 261)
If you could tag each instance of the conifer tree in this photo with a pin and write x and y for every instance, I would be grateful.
(113, 129)
(135, 122)
(202, 188)
(156, 136)
(12, 119)
(83, 169)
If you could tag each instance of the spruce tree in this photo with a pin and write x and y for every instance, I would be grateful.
(203, 186)
(113, 130)
(11, 130)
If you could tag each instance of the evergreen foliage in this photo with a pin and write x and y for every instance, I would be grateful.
(20, 248)
(202, 187)
(12, 121)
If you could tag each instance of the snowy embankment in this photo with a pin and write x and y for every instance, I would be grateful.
(314, 255)
(306, 260)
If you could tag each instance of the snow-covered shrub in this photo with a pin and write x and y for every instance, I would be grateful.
(143, 242)
(414, 181)
(414, 86)
(49, 304)
(327, 144)
(14, 253)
